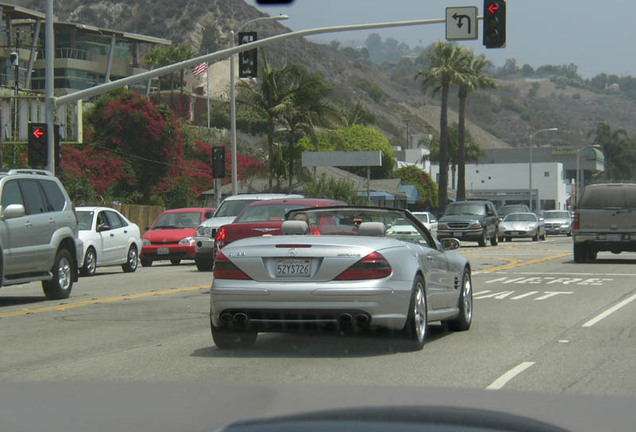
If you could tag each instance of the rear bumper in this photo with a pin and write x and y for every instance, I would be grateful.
(614, 242)
(272, 307)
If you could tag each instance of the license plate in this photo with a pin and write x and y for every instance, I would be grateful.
(457, 234)
(293, 267)
(614, 237)
(163, 251)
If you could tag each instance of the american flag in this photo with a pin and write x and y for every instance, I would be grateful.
(199, 69)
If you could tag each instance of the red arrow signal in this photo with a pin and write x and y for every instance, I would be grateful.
(493, 7)
(38, 133)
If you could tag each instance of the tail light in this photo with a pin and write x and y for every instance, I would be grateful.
(575, 221)
(372, 266)
(225, 269)
(219, 239)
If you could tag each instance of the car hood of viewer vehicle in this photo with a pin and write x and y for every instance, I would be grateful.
(168, 235)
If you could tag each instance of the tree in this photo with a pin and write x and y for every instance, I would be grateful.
(335, 189)
(619, 150)
(269, 98)
(445, 62)
(166, 55)
(413, 175)
(357, 115)
(472, 150)
(305, 111)
(355, 138)
(147, 137)
(471, 78)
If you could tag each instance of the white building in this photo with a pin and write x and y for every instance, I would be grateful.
(510, 183)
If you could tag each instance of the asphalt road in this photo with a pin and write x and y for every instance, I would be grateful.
(541, 324)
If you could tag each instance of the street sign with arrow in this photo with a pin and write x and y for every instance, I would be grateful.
(461, 23)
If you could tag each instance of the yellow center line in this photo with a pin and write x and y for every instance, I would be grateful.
(27, 311)
(518, 263)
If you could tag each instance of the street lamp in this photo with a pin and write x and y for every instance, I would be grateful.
(530, 164)
(233, 98)
(579, 177)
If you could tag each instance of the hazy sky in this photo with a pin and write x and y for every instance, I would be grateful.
(598, 36)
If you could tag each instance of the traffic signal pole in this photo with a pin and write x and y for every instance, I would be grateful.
(49, 99)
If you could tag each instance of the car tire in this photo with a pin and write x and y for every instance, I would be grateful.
(145, 262)
(535, 237)
(494, 240)
(90, 263)
(580, 253)
(544, 236)
(416, 327)
(175, 261)
(465, 317)
(228, 338)
(483, 239)
(132, 260)
(204, 262)
(60, 286)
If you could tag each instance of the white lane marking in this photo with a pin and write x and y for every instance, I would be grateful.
(505, 378)
(528, 294)
(609, 311)
(549, 294)
(566, 274)
(549, 280)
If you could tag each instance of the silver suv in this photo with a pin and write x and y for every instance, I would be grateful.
(38, 232)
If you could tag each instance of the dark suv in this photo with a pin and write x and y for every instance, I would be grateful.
(38, 232)
(470, 220)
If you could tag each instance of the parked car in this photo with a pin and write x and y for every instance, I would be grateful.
(227, 211)
(109, 240)
(39, 239)
(505, 210)
(264, 218)
(171, 236)
(522, 225)
(470, 220)
(557, 222)
(604, 221)
(429, 220)
(355, 275)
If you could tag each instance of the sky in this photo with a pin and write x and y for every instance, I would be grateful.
(596, 35)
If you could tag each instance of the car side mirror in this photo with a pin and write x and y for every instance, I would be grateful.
(13, 211)
(450, 243)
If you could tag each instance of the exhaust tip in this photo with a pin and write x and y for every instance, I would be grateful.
(240, 317)
(345, 318)
(226, 317)
(362, 319)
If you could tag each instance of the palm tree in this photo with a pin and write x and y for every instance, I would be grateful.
(471, 78)
(269, 99)
(619, 151)
(445, 63)
(305, 113)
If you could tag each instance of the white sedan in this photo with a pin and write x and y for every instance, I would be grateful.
(109, 239)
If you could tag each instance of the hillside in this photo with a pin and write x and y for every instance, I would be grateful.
(496, 118)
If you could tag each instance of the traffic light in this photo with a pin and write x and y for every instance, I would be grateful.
(13, 57)
(218, 161)
(38, 150)
(494, 23)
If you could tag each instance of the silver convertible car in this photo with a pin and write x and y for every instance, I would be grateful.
(343, 268)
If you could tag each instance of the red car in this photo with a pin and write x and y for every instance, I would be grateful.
(264, 218)
(171, 236)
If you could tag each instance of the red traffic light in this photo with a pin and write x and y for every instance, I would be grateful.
(493, 8)
(38, 133)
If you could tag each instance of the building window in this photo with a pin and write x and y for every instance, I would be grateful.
(546, 174)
